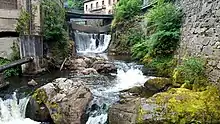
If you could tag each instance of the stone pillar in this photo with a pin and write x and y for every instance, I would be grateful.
(31, 46)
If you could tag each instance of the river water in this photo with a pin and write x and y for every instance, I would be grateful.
(105, 88)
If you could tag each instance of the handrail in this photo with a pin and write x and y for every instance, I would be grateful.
(15, 63)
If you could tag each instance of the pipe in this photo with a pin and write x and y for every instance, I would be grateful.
(15, 63)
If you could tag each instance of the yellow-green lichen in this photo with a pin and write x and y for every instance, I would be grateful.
(187, 106)
(40, 96)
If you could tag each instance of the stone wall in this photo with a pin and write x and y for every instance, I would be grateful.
(201, 33)
(5, 46)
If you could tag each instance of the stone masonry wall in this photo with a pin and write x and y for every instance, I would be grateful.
(201, 33)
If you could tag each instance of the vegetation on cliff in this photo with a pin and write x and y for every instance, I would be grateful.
(54, 28)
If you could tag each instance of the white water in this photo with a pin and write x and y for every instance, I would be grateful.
(86, 43)
(12, 111)
(127, 77)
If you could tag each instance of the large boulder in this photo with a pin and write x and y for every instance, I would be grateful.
(178, 105)
(103, 66)
(64, 100)
(158, 84)
(124, 112)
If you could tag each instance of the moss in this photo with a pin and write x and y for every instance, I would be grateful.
(141, 113)
(187, 106)
(159, 83)
(55, 111)
(40, 96)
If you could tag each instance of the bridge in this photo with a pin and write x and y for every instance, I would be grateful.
(74, 14)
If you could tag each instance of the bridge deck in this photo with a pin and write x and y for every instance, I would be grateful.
(70, 14)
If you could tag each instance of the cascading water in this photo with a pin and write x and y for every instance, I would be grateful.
(128, 75)
(89, 43)
(12, 111)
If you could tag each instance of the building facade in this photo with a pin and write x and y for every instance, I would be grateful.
(99, 6)
(9, 13)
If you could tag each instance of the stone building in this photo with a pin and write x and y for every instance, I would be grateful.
(99, 6)
(9, 13)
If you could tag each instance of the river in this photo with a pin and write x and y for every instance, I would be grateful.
(105, 88)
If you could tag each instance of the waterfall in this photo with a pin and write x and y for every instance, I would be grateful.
(90, 43)
(12, 111)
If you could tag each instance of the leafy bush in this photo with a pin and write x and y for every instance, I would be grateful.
(191, 73)
(54, 22)
(164, 65)
(75, 4)
(126, 9)
(22, 26)
(139, 50)
(10, 72)
(163, 33)
(54, 27)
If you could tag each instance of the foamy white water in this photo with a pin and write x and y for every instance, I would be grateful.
(86, 43)
(126, 77)
(12, 111)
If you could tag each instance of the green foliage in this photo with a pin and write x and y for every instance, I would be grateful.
(164, 17)
(23, 23)
(10, 72)
(75, 4)
(139, 50)
(54, 21)
(191, 73)
(125, 10)
(164, 65)
(54, 26)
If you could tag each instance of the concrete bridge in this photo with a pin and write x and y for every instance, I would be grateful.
(74, 14)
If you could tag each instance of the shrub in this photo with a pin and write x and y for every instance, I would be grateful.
(54, 27)
(10, 72)
(126, 9)
(191, 73)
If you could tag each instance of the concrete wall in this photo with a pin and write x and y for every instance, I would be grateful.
(5, 46)
(201, 33)
(99, 6)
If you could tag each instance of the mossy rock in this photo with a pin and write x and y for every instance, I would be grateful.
(183, 106)
(158, 84)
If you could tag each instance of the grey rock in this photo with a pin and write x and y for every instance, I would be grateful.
(65, 99)
(32, 83)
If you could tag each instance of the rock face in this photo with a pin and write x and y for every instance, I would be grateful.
(104, 66)
(200, 33)
(178, 105)
(64, 100)
(125, 112)
(158, 84)
(3, 84)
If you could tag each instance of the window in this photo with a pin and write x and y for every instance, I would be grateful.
(109, 2)
(86, 7)
(97, 4)
(103, 2)
(91, 6)
(8, 4)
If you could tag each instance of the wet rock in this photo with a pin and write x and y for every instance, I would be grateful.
(32, 83)
(181, 105)
(65, 99)
(102, 66)
(89, 71)
(178, 105)
(3, 84)
(158, 84)
(124, 112)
